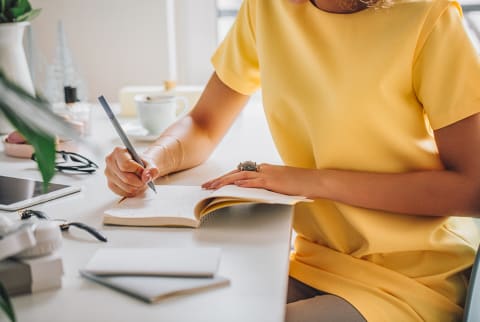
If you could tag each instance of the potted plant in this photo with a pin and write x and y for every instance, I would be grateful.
(14, 18)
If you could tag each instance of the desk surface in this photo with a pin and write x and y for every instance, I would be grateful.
(255, 241)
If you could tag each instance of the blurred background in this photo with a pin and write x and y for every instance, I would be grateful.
(117, 43)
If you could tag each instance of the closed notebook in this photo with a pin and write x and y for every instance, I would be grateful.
(188, 261)
(155, 288)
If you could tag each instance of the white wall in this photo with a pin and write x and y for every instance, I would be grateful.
(122, 42)
(196, 39)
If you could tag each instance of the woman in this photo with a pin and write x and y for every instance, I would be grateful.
(375, 113)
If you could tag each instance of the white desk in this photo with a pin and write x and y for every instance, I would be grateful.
(255, 243)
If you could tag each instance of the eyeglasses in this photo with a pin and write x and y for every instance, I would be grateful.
(64, 225)
(71, 162)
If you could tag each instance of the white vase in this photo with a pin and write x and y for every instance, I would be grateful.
(13, 61)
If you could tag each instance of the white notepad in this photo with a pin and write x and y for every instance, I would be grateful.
(189, 262)
(152, 289)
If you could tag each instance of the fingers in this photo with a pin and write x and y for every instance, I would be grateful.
(281, 179)
(124, 174)
(150, 172)
(122, 192)
(239, 178)
(209, 184)
(122, 183)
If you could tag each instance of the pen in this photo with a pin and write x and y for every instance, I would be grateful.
(123, 137)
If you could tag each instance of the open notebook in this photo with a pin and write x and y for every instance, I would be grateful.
(186, 205)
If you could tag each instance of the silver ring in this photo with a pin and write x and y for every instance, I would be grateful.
(248, 166)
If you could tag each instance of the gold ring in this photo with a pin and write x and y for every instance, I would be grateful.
(248, 166)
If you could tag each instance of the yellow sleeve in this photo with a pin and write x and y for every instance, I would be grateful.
(446, 74)
(236, 61)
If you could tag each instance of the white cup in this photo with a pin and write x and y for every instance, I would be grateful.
(157, 112)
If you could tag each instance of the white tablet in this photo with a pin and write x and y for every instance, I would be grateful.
(18, 193)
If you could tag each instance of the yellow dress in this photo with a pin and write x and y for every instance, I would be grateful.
(354, 91)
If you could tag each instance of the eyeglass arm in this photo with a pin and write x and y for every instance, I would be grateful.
(85, 227)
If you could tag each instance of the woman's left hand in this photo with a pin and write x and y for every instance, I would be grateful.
(281, 179)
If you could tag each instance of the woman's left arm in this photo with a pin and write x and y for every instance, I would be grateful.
(454, 190)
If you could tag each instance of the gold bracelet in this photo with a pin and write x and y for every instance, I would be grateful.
(181, 150)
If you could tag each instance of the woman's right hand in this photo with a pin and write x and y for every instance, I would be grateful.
(125, 176)
(185, 144)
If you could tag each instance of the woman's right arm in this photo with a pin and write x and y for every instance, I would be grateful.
(185, 144)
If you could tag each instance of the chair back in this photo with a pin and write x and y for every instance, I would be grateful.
(472, 310)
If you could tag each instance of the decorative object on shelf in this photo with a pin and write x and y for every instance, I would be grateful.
(75, 111)
(14, 17)
(62, 72)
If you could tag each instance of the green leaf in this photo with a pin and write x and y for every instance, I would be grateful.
(17, 10)
(5, 4)
(28, 15)
(42, 142)
(9, 3)
(6, 304)
(23, 5)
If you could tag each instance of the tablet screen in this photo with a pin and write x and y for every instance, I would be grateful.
(17, 193)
